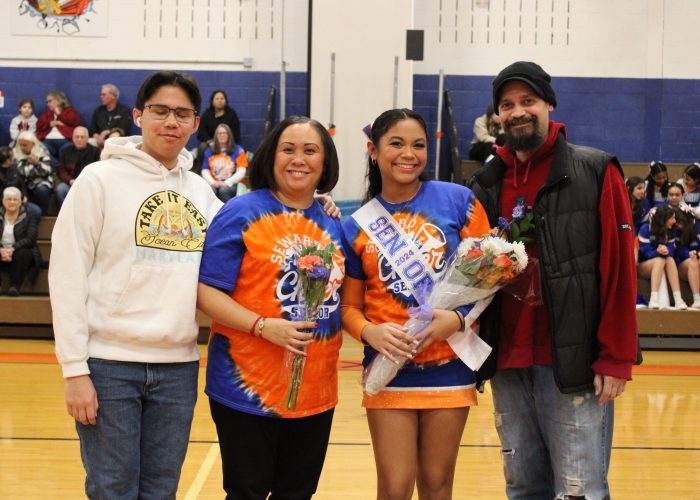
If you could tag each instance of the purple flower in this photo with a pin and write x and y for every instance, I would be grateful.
(503, 223)
(318, 273)
(518, 212)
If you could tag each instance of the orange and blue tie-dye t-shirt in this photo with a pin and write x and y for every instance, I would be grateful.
(250, 254)
(223, 165)
(437, 218)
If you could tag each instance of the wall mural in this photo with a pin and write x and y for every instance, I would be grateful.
(87, 18)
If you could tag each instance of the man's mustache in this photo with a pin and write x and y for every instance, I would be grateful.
(521, 121)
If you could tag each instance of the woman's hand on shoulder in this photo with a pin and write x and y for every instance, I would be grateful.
(287, 334)
(329, 205)
(443, 325)
(390, 339)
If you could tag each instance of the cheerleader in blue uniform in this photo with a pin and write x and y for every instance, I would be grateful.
(686, 255)
(656, 255)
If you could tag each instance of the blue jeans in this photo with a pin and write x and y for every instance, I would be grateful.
(40, 196)
(553, 444)
(225, 193)
(61, 193)
(55, 146)
(137, 448)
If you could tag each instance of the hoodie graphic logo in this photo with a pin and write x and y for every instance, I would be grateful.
(169, 221)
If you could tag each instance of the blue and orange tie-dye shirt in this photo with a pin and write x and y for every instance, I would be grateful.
(437, 218)
(250, 254)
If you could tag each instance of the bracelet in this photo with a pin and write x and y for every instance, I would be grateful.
(255, 323)
(461, 321)
(261, 325)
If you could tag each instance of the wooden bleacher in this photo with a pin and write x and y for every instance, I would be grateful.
(630, 169)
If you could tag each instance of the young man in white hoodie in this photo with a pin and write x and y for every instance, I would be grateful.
(123, 281)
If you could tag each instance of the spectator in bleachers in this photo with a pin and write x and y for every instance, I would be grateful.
(19, 253)
(34, 165)
(116, 132)
(72, 159)
(657, 184)
(55, 125)
(656, 255)
(10, 176)
(638, 202)
(224, 164)
(691, 182)
(674, 197)
(25, 120)
(488, 132)
(111, 118)
(219, 112)
(687, 246)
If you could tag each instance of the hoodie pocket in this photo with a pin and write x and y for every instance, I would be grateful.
(158, 305)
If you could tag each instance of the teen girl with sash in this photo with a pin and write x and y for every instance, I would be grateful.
(417, 421)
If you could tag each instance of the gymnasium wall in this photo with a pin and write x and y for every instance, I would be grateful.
(237, 45)
(625, 71)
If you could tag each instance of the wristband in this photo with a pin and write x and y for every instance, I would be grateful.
(461, 321)
(253, 329)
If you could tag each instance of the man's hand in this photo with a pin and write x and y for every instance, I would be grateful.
(608, 387)
(81, 399)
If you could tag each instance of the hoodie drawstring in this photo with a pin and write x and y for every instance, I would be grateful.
(527, 164)
(168, 229)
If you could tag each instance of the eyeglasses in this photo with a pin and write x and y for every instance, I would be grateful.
(161, 112)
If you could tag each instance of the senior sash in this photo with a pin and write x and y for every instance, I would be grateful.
(406, 259)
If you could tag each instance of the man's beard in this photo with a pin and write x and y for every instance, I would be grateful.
(521, 140)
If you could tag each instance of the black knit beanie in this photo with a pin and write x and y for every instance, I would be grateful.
(527, 72)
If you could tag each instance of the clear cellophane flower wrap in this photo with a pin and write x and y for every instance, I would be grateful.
(472, 275)
(314, 267)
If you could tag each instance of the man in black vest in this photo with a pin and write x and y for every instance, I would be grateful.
(558, 361)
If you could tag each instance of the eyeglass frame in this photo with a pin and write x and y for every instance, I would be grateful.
(173, 111)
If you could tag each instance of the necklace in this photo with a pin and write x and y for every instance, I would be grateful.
(290, 204)
(407, 200)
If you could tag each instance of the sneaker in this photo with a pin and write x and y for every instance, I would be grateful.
(653, 304)
(696, 305)
(679, 305)
(13, 292)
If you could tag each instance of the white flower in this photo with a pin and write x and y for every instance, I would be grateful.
(520, 255)
(495, 245)
(465, 246)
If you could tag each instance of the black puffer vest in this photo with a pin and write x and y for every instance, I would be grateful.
(567, 226)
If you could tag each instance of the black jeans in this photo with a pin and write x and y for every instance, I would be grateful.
(18, 268)
(262, 455)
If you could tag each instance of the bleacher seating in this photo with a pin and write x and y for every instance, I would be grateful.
(30, 314)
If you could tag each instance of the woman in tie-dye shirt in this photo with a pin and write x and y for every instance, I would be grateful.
(248, 285)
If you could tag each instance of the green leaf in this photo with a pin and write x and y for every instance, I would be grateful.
(515, 230)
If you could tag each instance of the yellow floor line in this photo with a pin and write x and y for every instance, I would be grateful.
(203, 473)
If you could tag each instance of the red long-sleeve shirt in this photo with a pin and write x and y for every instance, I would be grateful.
(525, 338)
(68, 116)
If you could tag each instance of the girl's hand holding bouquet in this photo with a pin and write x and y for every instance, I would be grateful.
(390, 339)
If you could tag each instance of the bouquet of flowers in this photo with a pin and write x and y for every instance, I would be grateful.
(474, 273)
(314, 266)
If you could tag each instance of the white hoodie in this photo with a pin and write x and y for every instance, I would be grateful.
(125, 260)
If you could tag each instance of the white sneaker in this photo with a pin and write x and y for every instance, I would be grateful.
(653, 304)
(696, 305)
(679, 304)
